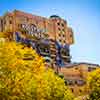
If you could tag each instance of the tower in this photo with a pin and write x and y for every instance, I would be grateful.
(50, 37)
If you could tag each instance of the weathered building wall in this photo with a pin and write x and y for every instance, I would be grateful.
(54, 28)
(76, 75)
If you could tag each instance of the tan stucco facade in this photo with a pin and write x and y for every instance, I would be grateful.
(76, 75)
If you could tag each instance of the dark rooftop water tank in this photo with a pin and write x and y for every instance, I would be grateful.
(54, 16)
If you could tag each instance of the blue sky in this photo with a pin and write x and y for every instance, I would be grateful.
(82, 15)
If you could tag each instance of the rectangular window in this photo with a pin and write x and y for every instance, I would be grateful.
(10, 22)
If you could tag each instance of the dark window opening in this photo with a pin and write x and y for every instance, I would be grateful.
(63, 52)
(59, 29)
(58, 23)
(80, 91)
(63, 30)
(70, 35)
(10, 22)
(5, 22)
(80, 82)
(44, 49)
(76, 68)
(70, 82)
(27, 19)
(47, 60)
(64, 41)
(72, 89)
(63, 35)
(60, 35)
(59, 40)
(62, 25)
(91, 69)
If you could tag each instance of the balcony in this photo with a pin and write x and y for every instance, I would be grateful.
(66, 57)
(53, 55)
(53, 49)
(44, 53)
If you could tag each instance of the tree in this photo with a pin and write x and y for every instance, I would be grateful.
(94, 84)
(7, 34)
(23, 76)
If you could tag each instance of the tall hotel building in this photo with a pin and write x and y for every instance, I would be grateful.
(50, 37)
